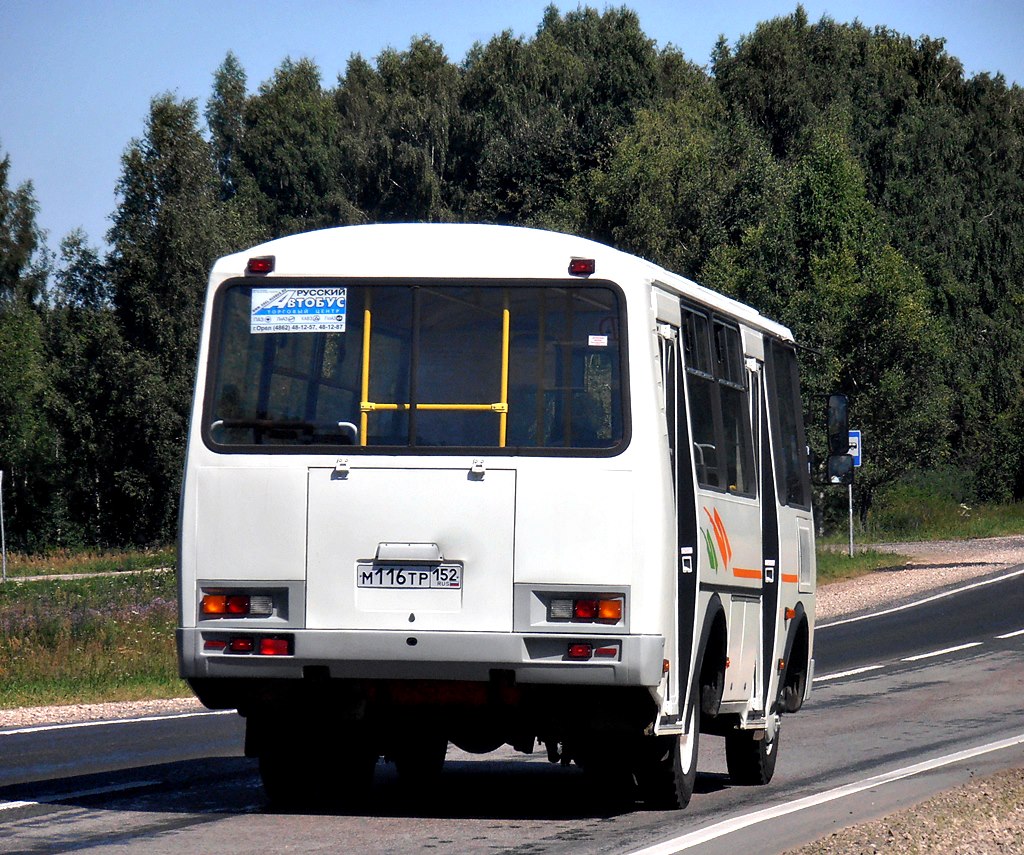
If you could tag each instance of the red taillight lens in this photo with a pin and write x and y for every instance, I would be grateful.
(237, 604)
(584, 609)
(214, 644)
(242, 644)
(261, 264)
(580, 650)
(275, 647)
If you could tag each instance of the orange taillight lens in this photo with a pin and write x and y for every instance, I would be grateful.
(214, 604)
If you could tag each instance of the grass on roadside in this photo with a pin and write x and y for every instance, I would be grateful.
(920, 517)
(88, 640)
(65, 561)
(836, 565)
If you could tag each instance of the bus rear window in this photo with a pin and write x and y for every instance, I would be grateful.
(419, 365)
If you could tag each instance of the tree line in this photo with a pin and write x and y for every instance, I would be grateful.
(851, 182)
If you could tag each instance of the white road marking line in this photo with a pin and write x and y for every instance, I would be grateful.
(43, 728)
(841, 674)
(720, 829)
(941, 652)
(919, 602)
(1012, 634)
(97, 791)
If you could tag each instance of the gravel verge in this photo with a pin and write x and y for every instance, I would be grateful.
(36, 716)
(932, 567)
(984, 817)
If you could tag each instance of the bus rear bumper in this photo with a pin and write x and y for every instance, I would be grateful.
(633, 660)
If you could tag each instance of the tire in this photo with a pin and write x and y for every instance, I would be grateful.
(420, 761)
(298, 783)
(668, 772)
(750, 761)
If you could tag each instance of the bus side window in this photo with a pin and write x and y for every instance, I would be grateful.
(736, 428)
(702, 397)
(716, 385)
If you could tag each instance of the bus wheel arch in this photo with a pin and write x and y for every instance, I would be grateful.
(712, 658)
(793, 685)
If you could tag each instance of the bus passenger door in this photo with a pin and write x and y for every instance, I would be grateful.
(720, 367)
(683, 485)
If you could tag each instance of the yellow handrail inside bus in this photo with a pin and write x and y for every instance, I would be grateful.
(500, 407)
(365, 388)
(503, 417)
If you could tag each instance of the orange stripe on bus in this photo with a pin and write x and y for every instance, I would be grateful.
(792, 578)
(743, 573)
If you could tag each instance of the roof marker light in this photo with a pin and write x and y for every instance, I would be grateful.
(260, 264)
(582, 266)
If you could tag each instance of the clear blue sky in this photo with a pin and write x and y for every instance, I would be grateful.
(77, 76)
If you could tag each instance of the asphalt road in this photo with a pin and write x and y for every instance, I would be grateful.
(926, 683)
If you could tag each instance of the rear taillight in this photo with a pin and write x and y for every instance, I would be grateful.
(269, 645)
(580, 650)
(222, 604)
(275, 646)
(587, 609)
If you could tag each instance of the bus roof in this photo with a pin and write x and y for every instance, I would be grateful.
(456, 250)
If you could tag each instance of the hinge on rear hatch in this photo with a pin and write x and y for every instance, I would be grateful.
(341, 467)
(477, 470)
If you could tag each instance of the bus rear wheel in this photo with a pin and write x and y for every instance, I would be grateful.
(751, 761)
(668, 770)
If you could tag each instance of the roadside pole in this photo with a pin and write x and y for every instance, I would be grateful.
(849, 489)
(855, 452)
(3, 537)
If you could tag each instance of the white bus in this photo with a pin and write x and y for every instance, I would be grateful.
(486, 485)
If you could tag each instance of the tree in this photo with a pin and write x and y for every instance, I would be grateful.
(546, 110)
(225, 117)
(168, 228)
(26, 436)
(24, 263)
(660, 188)
(290, 146)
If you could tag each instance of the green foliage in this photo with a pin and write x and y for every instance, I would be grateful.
(24, 264)
(941, 504)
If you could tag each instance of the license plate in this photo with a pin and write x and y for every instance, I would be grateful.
(411, 576)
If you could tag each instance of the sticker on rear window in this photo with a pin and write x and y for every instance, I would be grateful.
(297, 310)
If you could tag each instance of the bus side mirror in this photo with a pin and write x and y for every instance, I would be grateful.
(840, 469)
(838, 425)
